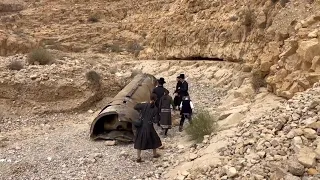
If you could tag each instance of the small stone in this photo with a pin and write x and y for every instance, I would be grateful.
(110, 143)
(90, 111)
(313, 34)
(310, 133)
(291, 177)
(34, 77)
(185, 173)
(274, 143)
(231, 171)
(49, 159)
(192, 156)
(295, 168)
(307, 157)
(312, 171)
(123, 154)
(297, 143)
(180, 177)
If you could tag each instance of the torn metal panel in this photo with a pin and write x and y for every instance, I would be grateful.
(114, 122)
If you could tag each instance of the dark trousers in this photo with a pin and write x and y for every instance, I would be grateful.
(177, 101)
(184, 117)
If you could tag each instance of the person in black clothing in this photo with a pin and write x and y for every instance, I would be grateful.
(186, 111)
(165, 106)
(177, 97)
(147, 137)
(159, 91)
(184, 86)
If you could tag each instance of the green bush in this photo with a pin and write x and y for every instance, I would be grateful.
(203, 123)
(40, 56)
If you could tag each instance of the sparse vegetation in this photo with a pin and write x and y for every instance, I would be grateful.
(15, 65)
(93, 77)
(203, 123)
(258, 80)
(93, 18)
(248, 18)
(135, 72)
(112, 47)
(134, 48)
(40, 56)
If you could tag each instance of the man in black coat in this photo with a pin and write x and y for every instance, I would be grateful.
(177, 97)
(184, 86)
(159, 91)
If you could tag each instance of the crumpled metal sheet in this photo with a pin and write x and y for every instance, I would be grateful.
(114, 122)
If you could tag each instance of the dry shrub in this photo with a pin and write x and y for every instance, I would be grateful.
(202, 124)
(134, 48)
(40, 56)
(283, 2)
(248, 18)
(93, 18)
(93, 77)
(112, 47)
(258, 80)
(15, 65)
(135, 72)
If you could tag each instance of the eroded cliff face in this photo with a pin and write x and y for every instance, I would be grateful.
(278, 38)
(275, 37)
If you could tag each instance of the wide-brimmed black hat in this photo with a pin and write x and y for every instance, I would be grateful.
(161, 80)
(181, 76)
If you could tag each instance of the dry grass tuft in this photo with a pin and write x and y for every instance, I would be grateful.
(15, 65)
(40, 56)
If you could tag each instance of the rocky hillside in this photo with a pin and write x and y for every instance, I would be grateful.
(280, 143)
(279, 38)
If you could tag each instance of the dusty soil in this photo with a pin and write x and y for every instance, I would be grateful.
(57, 145)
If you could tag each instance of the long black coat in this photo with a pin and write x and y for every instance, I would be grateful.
(177, 98)
(159, 91)
(184, 89)
(165, 111)
(146, 136)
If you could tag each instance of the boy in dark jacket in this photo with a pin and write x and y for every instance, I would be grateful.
(186, 107)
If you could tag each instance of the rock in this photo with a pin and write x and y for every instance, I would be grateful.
(49, 159)
(33, 76)
(124, 154)
(291, 177)
(297, 143)
(90, 111)
(185, 173)
(307, 157)
(317, 151)
(110, 143)
(295, 168)
(312, 171)
(192, 156)
(313, 34)
(309, 49)
(278, 174)
(180, 177)
(230, 171)
(310, 133)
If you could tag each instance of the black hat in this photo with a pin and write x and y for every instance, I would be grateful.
(161, 80)
(181, 76)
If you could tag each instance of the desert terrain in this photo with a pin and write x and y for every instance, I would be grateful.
(253, 64)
